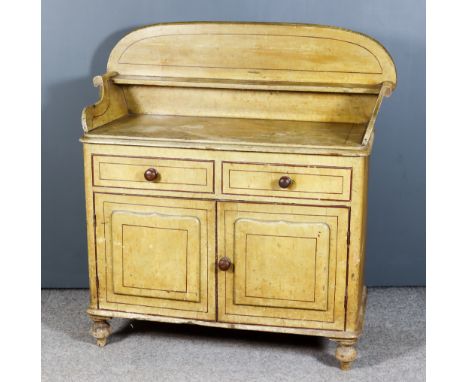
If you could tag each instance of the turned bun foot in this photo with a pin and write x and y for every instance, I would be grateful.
(346, 353)
(100, 330)
(101, 341)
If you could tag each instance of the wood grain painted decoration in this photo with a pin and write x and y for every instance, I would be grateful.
(226, 170)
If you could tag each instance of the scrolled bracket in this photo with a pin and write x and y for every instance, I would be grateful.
(111, 104)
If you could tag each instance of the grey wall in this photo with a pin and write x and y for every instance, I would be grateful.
(77, 37)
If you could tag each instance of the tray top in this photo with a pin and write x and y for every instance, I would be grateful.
(283, 87)
(235, 132)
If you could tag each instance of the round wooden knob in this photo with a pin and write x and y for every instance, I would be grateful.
(151, 174)
(285, 181)
(224, 263)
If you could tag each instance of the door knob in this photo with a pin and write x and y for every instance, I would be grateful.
(224, 263)
(285, 181)
(151, 174)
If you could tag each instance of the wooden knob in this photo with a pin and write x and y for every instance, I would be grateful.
(224, 263)
(151, 174)
(285, 181)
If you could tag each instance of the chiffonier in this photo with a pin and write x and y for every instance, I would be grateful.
(226, 171)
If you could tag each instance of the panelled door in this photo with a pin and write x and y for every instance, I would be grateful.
(282, 265)
(156, 255)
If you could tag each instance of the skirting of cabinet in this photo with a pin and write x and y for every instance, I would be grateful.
(332, 334)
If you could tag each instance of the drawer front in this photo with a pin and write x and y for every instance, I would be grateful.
(308, 182)
(184, 175)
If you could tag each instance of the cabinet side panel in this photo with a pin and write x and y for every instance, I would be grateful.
(357, 242)
(88, 176)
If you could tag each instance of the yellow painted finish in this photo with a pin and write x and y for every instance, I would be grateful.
(221, 112)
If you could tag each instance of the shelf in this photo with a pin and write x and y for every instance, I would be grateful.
(245, 84)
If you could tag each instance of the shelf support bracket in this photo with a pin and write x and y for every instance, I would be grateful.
(385, 91)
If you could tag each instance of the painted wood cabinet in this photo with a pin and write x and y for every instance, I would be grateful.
(226, 179)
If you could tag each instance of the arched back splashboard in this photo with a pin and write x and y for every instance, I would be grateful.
(253, 53)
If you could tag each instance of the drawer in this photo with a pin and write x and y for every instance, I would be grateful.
(186, 175)
(308, 182)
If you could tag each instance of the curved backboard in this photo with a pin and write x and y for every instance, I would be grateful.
(294, 53)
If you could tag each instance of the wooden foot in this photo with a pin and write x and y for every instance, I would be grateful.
(346, 353)
(100, 330)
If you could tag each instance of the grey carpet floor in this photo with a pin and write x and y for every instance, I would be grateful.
(392, 347)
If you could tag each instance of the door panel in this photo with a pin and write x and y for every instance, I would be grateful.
(270, 277)
(156, 255)
(289, 265)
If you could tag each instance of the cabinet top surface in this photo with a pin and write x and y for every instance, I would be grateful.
(233, 131)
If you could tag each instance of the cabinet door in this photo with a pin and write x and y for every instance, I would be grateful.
(156, 255)
(288, 265)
